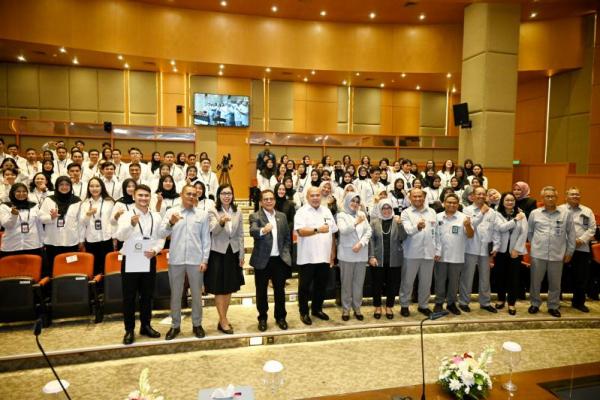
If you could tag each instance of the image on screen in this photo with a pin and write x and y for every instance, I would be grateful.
(221, 110)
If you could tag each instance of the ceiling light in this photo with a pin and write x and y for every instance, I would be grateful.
(305, 79)
(313, 72)
(174, 69)
(418, 87)
(172, 62)
(422, 16)
(448, 75)
(393, 81)
(382, 84)
(323, 13)
(403, 75)
(75, 61)
(533, 14)
(221, 73)
(357, 74)
(120, 57)
(223, 3)
(274, 8)
(126, 66)
(221, 66)
(267, 69)
(62, 50)
(21, 58)
(453, 89)
(344, 82)
(372, 15)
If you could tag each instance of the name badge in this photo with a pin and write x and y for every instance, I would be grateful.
(300, 188)
(455, 230)
(408, 185)
(558, 229)
(585, 221)
(24, 227)
(60, 222)
(98, 224)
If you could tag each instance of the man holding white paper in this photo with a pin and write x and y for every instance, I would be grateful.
(139, 230)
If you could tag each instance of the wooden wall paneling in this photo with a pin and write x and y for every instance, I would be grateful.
(54, 87)
(83, 89)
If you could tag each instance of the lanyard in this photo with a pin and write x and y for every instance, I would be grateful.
(80, 188)
(112, 191)
(28, 213)
(151, 224)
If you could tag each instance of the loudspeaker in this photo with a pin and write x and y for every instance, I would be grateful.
(461, 115)
(107, 126)
(179, 109)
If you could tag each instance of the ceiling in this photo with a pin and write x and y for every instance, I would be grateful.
(386, 11)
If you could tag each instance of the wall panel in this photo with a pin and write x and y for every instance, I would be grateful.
(54, 87)
(83, 88)
(142, 92)
(111, 93)
(23, 86)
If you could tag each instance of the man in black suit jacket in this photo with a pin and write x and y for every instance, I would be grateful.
(270, 257)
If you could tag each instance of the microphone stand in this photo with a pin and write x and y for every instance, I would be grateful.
(37, 330)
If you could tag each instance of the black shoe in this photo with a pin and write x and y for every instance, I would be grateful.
(149, 331)
(199, 332)
(554, 312)
(425, 311)
(389, 315)
(358, 316)
(305, 319)
(464, 307)
(404, 311)
(262, 325)
(172, 334)
(377, 315)
(282, 324)
(345, 317)
(582, 308)
(453, 309)
(438, 307)
(225, 331)
(321, 315)
(512, 311)
(128, 338)
(499, 306)
(533, 310)
(489, 308)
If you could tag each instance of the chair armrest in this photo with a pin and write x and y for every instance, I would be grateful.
(44, 281)
(97, 278)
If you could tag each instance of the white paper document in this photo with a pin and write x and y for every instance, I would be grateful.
(133, 250)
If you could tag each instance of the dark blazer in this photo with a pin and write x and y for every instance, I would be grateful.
(397, 235)
(263, 244)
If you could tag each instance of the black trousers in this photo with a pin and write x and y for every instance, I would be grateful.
(508, 272)
(579, 270)
(99, 250)
(53, 251)
(277, 271)
(134, 284)
(388, 278)
(317, 276)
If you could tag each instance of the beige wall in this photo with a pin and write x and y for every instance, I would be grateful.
(530, 125)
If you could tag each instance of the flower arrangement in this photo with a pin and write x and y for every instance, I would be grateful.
(466, 377)
(144, 392)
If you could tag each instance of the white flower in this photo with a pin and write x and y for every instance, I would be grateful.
(479, 387)
(467, 390)
(455, 385)
(467, 378)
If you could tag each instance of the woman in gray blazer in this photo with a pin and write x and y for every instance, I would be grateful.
(385, 257)
(224, 274)
(352, 253)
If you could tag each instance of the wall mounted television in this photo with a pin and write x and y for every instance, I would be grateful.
(221, 110)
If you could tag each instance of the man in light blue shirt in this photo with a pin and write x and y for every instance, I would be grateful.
(189, 229)
(552, 236)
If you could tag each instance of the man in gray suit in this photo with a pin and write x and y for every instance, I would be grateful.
(270, 258)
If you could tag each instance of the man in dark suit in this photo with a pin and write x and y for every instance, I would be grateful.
(270, 257)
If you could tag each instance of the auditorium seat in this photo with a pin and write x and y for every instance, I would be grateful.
(74, 288)
(21, 290)
(596, 252)
(113, 288)
(162, 288)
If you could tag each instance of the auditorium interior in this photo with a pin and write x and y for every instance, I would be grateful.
(513, 85)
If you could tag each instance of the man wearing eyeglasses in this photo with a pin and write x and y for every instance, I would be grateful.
(270, 258)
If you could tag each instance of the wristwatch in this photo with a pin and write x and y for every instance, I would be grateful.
(316, 230)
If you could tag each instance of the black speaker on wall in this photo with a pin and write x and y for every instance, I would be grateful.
(461, 115)
(107, 126)
(179, 109)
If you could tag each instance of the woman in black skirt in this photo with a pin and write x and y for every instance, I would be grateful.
(224, 274)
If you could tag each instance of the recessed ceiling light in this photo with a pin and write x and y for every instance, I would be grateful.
(120, 57)
(223, 3)
(174, 69)
(172, 62)
(313, 72)
(533, 14)
(126, 66)
(418, 87)
(323, 13)
(453, 89)
(422, 16)
(21, 57)
(344, 82)
(382, 84)
(221, 66)
(75, 61)
(393, 81)
(221, 73)
(274, 9)
(267, 69)
(357, 74)
(305, 79)
(403, 75)
(62, 50)
(448, 75)
(372, 15)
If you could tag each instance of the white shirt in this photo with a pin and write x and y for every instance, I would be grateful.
(191, 234)
(585, 225)
(89, 224)
(420, 244)
(80, 189)
(14, 238)
(445, 177)
(175, 172)
(165, 205)
(31, 169)
(113, 187)
(122, 171)
(114, 221)
(147, 227)
(433, 195)
(60, 167)
(407, 178)
(211, 183)
(70, 234)
(451, 237)
(483, 224)
(273, 222)
(314, 249)
(205, 204)
(38, 197)
(369, 190)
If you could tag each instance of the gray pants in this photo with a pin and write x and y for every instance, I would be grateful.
(412, 267)
(446, 272)
(538, 270)
(352, 275)
(176, 279)
(466, 279)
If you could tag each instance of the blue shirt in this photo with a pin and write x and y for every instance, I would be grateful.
(190, 236)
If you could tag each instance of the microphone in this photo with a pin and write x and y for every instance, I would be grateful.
(37, 330)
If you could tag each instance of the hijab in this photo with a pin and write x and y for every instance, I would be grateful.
(167, 194)
(347, 200)
(126, 198)
(384, 202)
(279, 201)
(19, 204)
(524, 190)
(64, 200)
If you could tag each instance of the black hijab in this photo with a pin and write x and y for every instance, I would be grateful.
(64, 200)
(19, 204)
(167, 194)
(126, 198)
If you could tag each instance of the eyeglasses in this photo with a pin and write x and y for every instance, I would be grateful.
(226, 194)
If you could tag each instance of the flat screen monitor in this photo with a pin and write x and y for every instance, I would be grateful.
(221, 110)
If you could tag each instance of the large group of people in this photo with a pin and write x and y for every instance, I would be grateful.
(411, 230)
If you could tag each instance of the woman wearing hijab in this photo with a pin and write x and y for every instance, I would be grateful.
(22, 225)
(385, 257)
(398, 196)
(284, 205)
(60, 215)
(155, 161)
(166, 195)
(524, 202)
(122, 205)
(288, 183)
(352, 253)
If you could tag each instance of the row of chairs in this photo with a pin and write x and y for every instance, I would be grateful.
(72, 291)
